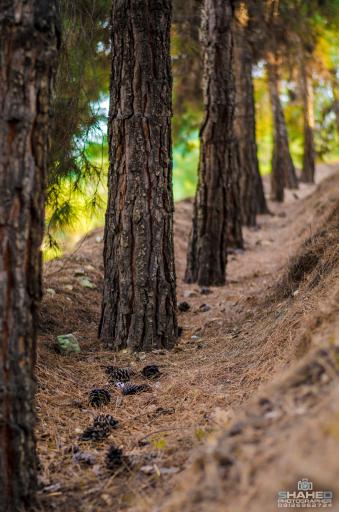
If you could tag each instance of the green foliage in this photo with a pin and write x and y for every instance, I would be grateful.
(78, 159)
(81, 81)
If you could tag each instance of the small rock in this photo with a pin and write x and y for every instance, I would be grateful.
(79, 272)
(67, 343)
(204, 308)
(148, 470)
(86, 283)
(169, 471)
(183, 306)
(68, 287)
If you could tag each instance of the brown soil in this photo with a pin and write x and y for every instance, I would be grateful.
(279, 306)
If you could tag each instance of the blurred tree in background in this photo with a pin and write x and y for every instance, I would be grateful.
(78, 149)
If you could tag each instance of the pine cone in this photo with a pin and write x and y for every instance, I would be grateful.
(151, 371)
(183, 306)
(115, 457)
(105, 420)
(99, 396)
(94, 433)
(118, 374)
(133, 389)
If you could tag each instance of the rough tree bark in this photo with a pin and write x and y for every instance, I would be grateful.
(283, 170)
(252, 195)
(308, 168)
(139, 297)
(28, 44)
(206, 258)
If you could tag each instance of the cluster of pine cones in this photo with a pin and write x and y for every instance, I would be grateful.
(104, 423)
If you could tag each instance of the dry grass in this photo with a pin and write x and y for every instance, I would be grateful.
(257, 325)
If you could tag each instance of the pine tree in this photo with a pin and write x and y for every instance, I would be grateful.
(251, 188)
(139, 298)
(306, 86)
(283, 170)
(28, 47)
(215, 203)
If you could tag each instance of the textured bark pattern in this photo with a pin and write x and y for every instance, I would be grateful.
(251, 188)
(27, 55)
(283, 170)
(308, 169)
(215, 202)
(139, 298)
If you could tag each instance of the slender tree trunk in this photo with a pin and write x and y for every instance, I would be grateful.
(206, 258)
(283, 170)
(27, 56)
(308, 169)
(139, 297)
(335, 92)
(251, 188)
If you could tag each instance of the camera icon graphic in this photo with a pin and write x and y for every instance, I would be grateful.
(305, 485)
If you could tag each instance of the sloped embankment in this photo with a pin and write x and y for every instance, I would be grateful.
(290, 430)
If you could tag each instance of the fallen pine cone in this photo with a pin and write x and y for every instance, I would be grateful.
(102, 424)
(133, 389)
(115, 458)
(105, 420)
(94, 433)
(118, 374)
(183, 306)
(99, 396)
(151, 371)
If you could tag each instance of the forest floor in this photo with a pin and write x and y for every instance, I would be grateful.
(247, 402)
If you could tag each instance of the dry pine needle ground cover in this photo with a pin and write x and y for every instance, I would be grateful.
(278, 308)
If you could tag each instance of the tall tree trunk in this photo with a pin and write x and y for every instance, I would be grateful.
(251, 188)
(283, 170)
(28, 45)
(308, 169)
(139, 297)
(206, 258)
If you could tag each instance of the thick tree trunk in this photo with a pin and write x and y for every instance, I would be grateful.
(252, 195)
(139, 297)
(27, 56)
(206, 259)
(283, 170)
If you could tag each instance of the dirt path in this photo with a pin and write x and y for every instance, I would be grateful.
(205, 379)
